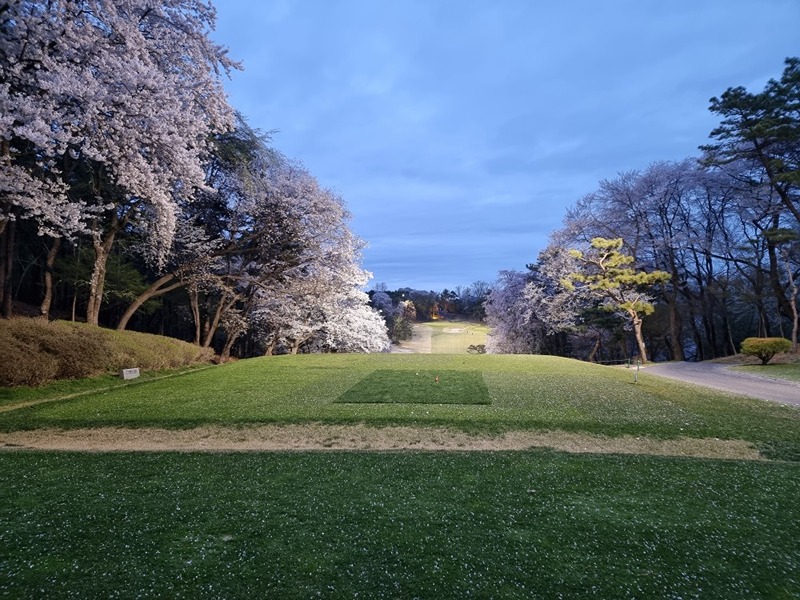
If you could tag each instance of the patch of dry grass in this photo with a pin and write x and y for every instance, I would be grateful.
(36, 351)
(361, 437)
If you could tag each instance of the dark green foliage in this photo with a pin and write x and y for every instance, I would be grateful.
(765, 348)
(419, 387)
(396, 525)
(400, 329)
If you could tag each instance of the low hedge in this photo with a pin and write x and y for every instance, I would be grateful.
(37, 351)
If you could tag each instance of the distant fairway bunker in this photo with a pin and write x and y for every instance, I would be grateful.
(390, 386)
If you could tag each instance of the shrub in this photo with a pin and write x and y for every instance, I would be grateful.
(36, 351)
(23, 364)
(765, 348)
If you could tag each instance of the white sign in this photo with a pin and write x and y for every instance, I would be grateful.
(129, 373)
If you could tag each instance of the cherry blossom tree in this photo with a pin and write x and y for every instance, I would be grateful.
(108, 105)
(353, 326)
(321, 305)
(514, 327)
(525, 308)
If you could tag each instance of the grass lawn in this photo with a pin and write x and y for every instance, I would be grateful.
(419, 387)
(525, 524)
(455, 337)
(525, 392)
(789, 371)
(77, 387)
(396, 525)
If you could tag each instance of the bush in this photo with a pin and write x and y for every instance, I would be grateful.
(37, 351)
(23, 364)
(765, 348)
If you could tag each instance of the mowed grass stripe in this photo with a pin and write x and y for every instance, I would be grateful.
(419, 387)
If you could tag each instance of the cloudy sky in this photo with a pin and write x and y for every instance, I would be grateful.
(459, 131)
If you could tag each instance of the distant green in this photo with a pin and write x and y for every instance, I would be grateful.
(455, 337)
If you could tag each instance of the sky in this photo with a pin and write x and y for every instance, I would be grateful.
(459, 132)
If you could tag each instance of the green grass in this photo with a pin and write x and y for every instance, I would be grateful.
(455, 337)
(396, 525)
(526, 392)
(778, 371)
(75, 387)
(419, 387)
(532, 524)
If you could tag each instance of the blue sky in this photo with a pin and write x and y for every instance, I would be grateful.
(458, 132)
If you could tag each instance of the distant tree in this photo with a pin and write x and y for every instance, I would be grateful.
(514, 328)
(606, 273)
(526, 309)
(397, 317)
(426, 304)
(473, 299)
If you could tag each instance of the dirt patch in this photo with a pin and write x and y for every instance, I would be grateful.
(453, 330)
(360, 437)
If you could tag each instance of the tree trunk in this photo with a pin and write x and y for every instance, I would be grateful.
(3, 250)
(226, 302)
(102, 250)
(47, 300)
(8, 268)
(194, 302)
(98, 281)
(792, 300)
(775, 277)
(595, 348)
(158, 288)
(675, 326)
(637, 330)
(226, 349)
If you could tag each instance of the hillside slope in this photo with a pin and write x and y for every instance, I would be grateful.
(36, 351)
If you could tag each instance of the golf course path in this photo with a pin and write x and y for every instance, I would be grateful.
(722, 377)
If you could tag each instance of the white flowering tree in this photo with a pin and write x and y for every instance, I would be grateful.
(109, 106)
(514, 328)
(322, 305)
(357, 328)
